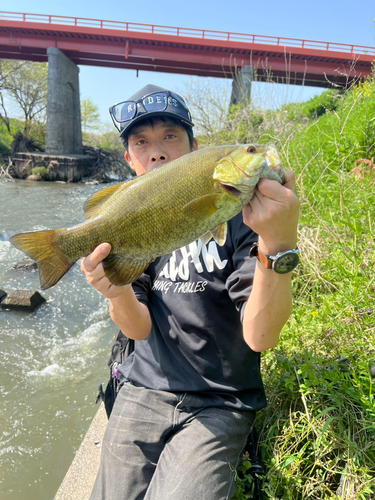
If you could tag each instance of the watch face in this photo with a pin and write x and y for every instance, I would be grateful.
(286, 263)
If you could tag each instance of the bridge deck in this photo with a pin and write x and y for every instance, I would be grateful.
(182, 50)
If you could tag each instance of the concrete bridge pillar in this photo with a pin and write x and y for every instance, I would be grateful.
(241, 85)
(63, 133)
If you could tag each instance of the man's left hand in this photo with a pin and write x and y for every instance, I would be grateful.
(273, 214)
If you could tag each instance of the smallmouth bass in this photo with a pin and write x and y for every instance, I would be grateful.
(156, 213)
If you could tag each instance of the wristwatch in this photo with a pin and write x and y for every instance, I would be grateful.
(282, 263)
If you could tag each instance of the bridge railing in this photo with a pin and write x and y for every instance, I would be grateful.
(186, 32)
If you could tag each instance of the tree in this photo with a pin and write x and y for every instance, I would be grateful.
(4, 76)
(218, 122)
(26, 84)
(89, 115)
(208, 101)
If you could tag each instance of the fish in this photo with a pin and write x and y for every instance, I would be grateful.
(156, 213)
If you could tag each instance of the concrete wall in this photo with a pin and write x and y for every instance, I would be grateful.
(241, 85)
(67, 168)
(80, 478)
(63, 134)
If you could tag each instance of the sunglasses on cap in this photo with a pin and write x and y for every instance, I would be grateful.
(124, 112)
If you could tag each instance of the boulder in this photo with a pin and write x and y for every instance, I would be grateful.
(26, 265)
(2, 295)
(22, 300)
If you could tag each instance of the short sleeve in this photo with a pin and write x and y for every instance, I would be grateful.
(142, 288)
(240, 281)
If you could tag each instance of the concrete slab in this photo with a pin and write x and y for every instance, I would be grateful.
(81, 475)
(63, 167)
(26, 265)
(22, 300)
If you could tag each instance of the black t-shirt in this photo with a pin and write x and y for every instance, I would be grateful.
(196, 342)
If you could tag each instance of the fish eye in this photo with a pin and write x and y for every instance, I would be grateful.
(251, 149)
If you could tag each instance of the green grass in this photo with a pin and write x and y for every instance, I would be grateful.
(42, 171)
(317, 435)
(5, 140)
(37, 132)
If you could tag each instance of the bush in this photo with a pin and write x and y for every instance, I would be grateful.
(42, 171)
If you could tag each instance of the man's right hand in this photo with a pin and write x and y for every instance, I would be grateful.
(131, 316)
(92, 268)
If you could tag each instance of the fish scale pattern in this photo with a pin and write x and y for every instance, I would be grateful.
(156, 213)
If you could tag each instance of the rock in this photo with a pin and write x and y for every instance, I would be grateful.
(22, 300)
(2, 295)
(26, 265)
(36, 177)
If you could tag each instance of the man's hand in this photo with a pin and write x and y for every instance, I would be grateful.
(273, 214)
(92, 268)
(127, 313)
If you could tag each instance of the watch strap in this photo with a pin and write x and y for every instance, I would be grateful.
(262, 257)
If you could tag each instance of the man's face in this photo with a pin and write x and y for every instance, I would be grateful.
(149, 146)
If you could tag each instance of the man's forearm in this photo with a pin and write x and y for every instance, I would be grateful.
(267, 309)
(269, 305)
(272, 213)
(130, 315)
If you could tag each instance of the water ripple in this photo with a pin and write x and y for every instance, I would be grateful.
(53, 358)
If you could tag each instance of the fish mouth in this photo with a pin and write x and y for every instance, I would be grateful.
(231, 190)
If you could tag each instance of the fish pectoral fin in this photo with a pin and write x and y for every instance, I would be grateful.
(219, 233)
(94, 203)
(121, 271)
(205, 206)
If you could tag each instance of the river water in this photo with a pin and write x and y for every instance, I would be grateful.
(51, 360)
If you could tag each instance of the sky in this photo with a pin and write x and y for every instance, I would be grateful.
(342, 21)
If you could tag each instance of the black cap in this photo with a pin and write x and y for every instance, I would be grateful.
(175, 107)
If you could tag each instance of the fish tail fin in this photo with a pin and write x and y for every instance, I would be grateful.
(42, 247)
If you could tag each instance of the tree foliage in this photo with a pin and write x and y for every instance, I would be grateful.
(218, 122)
(26, 84)
(89, 115)
(5, 73)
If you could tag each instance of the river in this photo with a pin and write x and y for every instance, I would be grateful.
(53, 359)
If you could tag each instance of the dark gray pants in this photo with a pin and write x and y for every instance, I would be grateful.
(162, 446)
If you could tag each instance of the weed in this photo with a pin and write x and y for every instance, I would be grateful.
(317, 434)
(42, 171)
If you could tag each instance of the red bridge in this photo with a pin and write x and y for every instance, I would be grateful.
(182, 50)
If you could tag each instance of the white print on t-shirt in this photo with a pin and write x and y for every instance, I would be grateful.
(184, 287)
(195, 253)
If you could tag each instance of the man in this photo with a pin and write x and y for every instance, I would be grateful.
(192, 386)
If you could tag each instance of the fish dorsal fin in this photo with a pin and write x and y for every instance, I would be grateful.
(121, 271)
(204, 207)
(94, 203)
(96, 200)
(219, 233)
